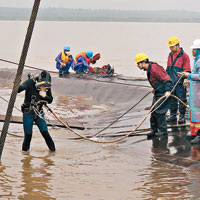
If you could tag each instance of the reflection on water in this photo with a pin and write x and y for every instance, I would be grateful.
(194, 173)
(180, 146)
(167, 176)
(88, 171)
(5, 188)
(35, 177)
(195, 153)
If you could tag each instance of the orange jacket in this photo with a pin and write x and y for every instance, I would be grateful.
(83, 54)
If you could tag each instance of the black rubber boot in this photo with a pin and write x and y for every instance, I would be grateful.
(26, 143)
(182, 119)
(60, 75)
(151, 134)
(189, 136)
(196, 140)
(66, 74)
(160, 133)
(172, 120)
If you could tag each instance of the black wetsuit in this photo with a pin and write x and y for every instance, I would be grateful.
(32, 97)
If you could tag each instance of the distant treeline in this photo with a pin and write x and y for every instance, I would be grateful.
(64, 14)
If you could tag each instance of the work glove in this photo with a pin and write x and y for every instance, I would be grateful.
(93, 61)
(62, 64)
(95, 58)
(42, 93)
(167, 94)
(91, 69)
(186, 74)
(186, 83)
(183, 74)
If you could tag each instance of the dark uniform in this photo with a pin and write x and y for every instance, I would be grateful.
(178, 63)
(161, 82)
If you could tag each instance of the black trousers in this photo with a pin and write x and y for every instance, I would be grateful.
(158, 122)
(180, 92)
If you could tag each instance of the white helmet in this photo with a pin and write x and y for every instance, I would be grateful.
(196, 44)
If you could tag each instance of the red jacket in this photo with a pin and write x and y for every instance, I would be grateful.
(181, 62)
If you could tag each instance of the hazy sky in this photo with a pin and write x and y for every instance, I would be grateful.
(192, 5)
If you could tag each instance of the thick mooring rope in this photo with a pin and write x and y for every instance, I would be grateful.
(121, 115)
(118, 139)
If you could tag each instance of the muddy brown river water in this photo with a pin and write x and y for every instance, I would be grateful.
(134, 168)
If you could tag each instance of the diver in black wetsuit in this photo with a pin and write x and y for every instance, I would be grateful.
(37, 93)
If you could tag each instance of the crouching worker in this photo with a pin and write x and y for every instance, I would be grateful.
(64, 61)
(83, 61)
(162, 85)
(37, 93)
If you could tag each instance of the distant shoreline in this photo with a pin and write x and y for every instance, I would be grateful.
(63, 14)
(171, 22)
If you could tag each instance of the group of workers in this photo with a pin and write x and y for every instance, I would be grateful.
(173, 80)
(80, 64)
(164, 83)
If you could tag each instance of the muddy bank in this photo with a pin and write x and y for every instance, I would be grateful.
(91, 100)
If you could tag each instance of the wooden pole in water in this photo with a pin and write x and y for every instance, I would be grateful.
(19, 74)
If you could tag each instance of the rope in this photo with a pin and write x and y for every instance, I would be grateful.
(131, 131)
(19, 74)
(180, 101)
(39, 114)
(13, 134)
(28, 66)
(121, 115)
(170, 92)
(118, 139)
(8, 102)
(110, 141)
(82, 76)
(135, 85)
(146, 129)
(137, 104)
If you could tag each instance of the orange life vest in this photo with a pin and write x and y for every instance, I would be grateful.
(84, 56)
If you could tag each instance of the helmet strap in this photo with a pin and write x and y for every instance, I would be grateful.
(196, 51)
(143, 66)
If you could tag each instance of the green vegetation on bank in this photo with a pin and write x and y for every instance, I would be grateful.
(64, 14)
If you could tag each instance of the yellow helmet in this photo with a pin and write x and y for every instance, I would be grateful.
(173, 41)
(140, 57)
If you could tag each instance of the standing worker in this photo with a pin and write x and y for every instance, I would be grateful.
(194, 97)
(178, 61)
(37, 93)
(64, 61)
(162, 85)
(83, 60)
